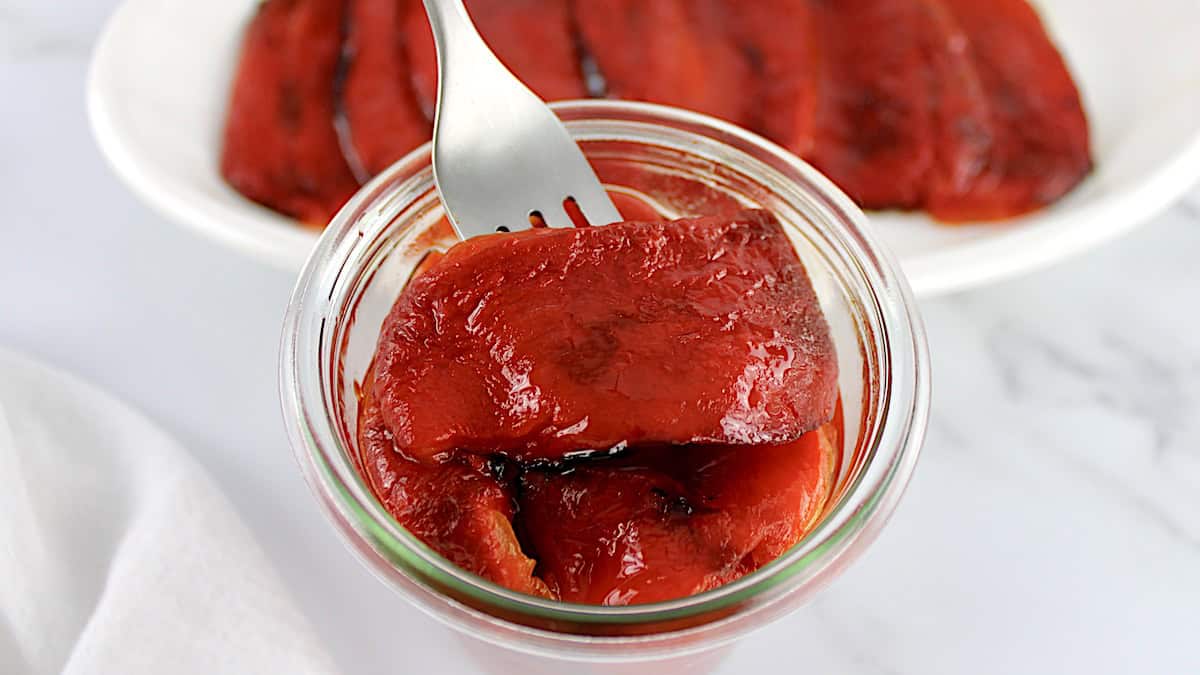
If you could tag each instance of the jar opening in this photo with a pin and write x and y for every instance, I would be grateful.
(370, 249)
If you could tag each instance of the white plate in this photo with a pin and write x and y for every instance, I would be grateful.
(160, 77)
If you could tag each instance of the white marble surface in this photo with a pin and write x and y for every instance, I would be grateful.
(1053, 525)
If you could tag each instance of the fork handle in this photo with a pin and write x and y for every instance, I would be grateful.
(494, 140)
(457, 41)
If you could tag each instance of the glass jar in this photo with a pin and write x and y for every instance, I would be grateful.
(369, 251)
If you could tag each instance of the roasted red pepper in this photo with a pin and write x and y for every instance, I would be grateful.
(666, 523)
(963, 108)
(280, 146)
(462, 508)
(548, 342)
(384, 117)
(676, 52)
(873, 135)
(1013, 134)
(781, 39)
(506, 356)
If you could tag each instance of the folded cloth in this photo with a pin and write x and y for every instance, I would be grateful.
(118, 555)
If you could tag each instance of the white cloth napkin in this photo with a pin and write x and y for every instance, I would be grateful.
(118, 555)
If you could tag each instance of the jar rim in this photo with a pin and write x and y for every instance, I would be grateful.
(868, 500)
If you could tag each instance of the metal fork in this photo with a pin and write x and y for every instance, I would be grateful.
(502, 160)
